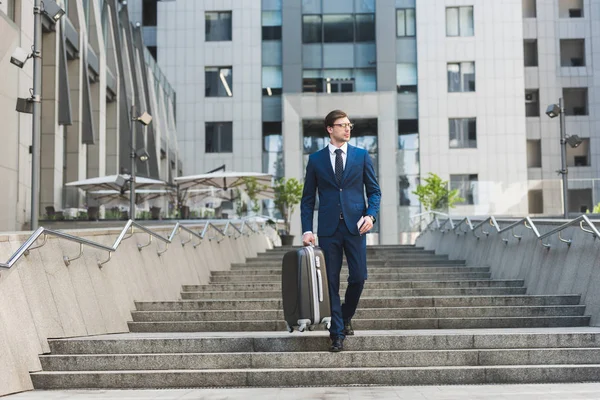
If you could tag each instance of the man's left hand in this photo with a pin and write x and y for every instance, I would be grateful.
(366, 226)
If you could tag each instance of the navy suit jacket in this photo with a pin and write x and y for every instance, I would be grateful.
(346, 198)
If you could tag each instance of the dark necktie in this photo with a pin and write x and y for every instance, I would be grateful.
(339, 166)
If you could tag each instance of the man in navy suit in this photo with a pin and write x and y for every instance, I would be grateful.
(341, 173)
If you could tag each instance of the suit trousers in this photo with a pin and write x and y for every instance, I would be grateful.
(354, 246)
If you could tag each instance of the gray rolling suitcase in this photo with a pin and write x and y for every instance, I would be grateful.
(305, 291)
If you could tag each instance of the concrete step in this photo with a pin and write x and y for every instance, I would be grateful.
(379, 313)
(365, 324)
(324, 376)
(374, 257)
(322, 359)
(385, 263)
(128, 343)
(373, 277)
(276, 294)
(369, 302)
(247, 271)
(368, 285)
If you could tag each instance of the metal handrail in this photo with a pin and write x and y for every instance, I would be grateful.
(527, 222)
(27, 246)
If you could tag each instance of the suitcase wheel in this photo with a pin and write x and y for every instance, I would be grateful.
(301, 328)
(328, 325)
(311, 327)
(289, 328)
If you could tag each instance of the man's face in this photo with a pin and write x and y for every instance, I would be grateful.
(339, 133)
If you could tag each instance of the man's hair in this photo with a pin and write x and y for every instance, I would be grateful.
(333, 116)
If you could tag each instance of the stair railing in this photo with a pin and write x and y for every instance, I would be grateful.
(126, 233)
(527, 222)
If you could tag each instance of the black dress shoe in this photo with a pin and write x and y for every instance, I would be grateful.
(337, 345)
(348, 331)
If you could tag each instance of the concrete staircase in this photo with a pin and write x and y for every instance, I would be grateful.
(410, 330)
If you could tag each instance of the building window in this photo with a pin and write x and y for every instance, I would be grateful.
(217, 82)
(343, 28)
(534, 153)
(466, 185)
(579, 156)
(407, 161)
(218, 26)
(461, 77)
(339, 80)
(405, 22)
(529, 9)
(463, 133)
(149, 12)
(532, 105)
(271, 25)
(365, 27)
(273, 149)
(530, 52)
(459, 21)
(572, 52)
(576, 101)
(570, 8)
(219, 137)
(406, 78)
(271, 81)
(312, 29)
(8, 7)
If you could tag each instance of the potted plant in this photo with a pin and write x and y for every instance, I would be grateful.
(288, 194)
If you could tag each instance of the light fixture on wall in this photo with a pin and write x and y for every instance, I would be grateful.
(553, 111)
(141, 154)
(32, 105)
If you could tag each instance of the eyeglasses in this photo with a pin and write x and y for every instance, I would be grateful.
(344, 126)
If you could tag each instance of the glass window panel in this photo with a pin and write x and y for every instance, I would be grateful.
(407, 184)
(272, 77)
(368, 143)
(362, 6)
(217, 26)
(366, 80)
(452, 21)
(407, 162)
(273, 143)
(334, 74)
(365, 27)
(408, 141)
(311, 7)
(406, 74)
(466, 21)
(218, 82)
(271, 32)
(462, 132)
(411, 25)
(466, 185)
(400, 22)
(467, 70)
(338, 28)
(273, 164)
(271, 18)
(454, 78)
(218, 137)
(312, 29)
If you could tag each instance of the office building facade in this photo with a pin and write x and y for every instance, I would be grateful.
(94, 68)
(458, 88)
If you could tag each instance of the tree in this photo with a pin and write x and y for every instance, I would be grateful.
(287, 196)
(435, 195)
(253, 189)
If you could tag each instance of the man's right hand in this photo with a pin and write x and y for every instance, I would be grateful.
(308, 238)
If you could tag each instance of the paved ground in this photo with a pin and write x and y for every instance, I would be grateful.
(488, 392)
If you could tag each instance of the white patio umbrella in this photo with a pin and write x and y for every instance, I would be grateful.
(115, 182)
(141, 195)
(226, 180)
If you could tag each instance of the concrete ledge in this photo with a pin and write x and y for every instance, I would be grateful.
(41, 298)
(561, 269)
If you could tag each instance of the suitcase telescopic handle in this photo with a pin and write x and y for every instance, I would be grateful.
(320, 284)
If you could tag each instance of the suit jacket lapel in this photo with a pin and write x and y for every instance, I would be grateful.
(349, 162)
(327, 163)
